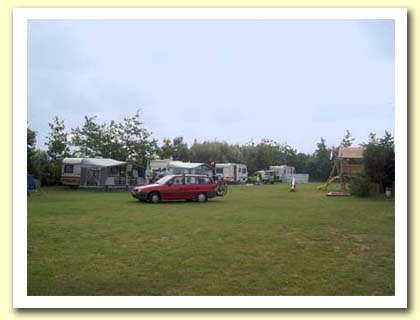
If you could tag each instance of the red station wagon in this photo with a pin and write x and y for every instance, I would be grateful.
(177, 187)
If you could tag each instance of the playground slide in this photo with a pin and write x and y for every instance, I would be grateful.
(324, 186)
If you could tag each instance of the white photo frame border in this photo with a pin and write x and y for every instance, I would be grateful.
(20, 297)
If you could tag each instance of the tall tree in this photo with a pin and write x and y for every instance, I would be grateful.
(128, 140)
(347, 140)
(249, 156)
(136, 141)
(180, 149)
(301, 163)
(268, 153)
(57, 143)
(30, 150)
(388, 145)
(89, 139)
(57, 149)
(320, 166)
(218, 151)
(379, 160)
(288, 155)
(166, 151)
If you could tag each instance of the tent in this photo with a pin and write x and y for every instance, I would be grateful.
(31, 183)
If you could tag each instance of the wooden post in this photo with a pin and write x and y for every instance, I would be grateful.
(342, 184)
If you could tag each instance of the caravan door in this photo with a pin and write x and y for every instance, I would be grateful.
(93, 177)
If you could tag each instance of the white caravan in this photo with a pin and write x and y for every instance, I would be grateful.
(232, 172)
(100, 173)
(280, 172)
(159, 168)
(286, 173)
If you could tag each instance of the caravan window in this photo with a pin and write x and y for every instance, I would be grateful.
(219, 170)
(243, 170)
(115, 170)
(68, 168)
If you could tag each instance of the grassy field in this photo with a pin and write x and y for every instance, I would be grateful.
(258, 240)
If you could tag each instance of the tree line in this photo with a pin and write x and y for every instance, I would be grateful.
(129, 140)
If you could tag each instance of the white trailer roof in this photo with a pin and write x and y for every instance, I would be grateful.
(186, 165)
(158, 163)
(226, 165)
(155, 164)
(72, 160)
(94, 162)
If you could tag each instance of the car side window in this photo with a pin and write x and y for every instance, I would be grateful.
(190, 180)
(177, 180)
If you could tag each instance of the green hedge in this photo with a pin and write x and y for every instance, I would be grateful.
(359, 185)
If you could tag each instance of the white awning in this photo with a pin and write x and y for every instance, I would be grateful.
(72, 160)
(186, 165)
(94, 162)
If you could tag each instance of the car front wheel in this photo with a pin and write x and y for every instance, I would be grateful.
(201, 197)
(154, 197)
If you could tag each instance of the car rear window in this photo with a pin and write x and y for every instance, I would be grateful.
(204, 180)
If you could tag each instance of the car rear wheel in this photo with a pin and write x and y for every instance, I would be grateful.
(154, 197)
(201, 197)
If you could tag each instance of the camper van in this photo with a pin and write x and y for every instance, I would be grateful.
(232, 172)
(266, 176)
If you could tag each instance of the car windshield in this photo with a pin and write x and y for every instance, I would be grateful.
(164, 180)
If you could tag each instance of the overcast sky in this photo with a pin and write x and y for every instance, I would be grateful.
(293, 81)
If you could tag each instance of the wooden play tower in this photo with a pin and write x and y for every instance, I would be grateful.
(348, 162)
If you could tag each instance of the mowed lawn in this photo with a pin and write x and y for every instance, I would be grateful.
(257, 240)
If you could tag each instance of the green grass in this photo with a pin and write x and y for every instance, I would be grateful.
(258, 240)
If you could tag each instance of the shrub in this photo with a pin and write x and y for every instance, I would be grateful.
(359, 185)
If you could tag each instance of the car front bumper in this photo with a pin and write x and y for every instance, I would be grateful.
(139, 195)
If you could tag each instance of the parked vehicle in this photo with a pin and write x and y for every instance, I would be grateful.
(157, 168)
(196, 187)
(232, 172)
(282, 173)
(99, 173)
(262, 176)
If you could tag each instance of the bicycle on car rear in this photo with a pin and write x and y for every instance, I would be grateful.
(221, 187)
